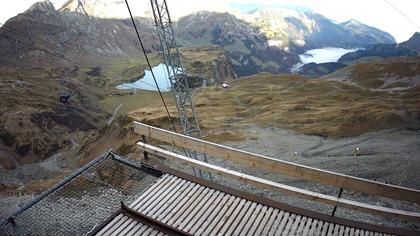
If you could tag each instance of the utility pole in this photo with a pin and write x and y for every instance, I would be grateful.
(177, 75)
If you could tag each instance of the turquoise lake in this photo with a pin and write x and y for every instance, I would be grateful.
(147, 82)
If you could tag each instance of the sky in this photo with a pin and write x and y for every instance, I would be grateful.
(400, 18)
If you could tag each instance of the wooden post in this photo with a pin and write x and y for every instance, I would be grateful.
(145, 153)
(339, 196)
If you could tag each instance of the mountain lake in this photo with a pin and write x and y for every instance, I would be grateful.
(147, 82)
(321, 55)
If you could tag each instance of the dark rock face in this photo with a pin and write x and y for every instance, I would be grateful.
(350, 34)
(248, 43)
(413, 43)
(410, 47)
(321, 69)
(244, 44)
(215, 68)
(365, 34)
(42, 35)
(222, 70)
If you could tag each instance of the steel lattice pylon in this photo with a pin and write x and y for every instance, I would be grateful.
(177, 75)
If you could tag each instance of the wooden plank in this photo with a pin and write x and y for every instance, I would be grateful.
(199, 207)
(249, 220)
(341, 231)
(259, 220)
(325, 228)
(172, 203)
(202, 212)
(286, 217)
(122, 226)
(226, 215)
(309, 223)
(318, 229)
(230, 202)
(347, 231)
(331, 230)
(109, 226)
(148, 198)
(159, 198)
(280, 166)
(232, 217)
(351, 233)
(299, 228)
(193, 208)
(170, 211)
(169, 196)
(271, 185)
(181, 204)
(150, 189)
(270, 223)
(130, 227)
(200, 223)
(186, 208)
(238, 218)
(148, 231)
(264, 221)
(336, 230)
(137, 230)
(293, 222)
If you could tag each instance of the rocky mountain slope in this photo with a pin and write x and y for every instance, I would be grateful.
(373, 53)
(42, 35)
(271, 39)
(297, 31)
(395, 75)
(46, 53)
(266, 39)
(410, 47)
(320, 69)
(244, 44)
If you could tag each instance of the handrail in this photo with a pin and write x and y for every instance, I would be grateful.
(280, 166)
(268, 184)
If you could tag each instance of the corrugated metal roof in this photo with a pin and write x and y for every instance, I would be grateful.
(201, 210)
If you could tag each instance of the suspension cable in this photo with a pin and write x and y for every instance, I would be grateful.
(150, 67)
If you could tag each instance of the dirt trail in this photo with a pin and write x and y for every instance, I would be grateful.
(114, 114)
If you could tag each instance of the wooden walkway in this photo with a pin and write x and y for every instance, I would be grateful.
(197, 209)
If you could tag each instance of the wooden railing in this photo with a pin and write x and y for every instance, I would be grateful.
(284, 168)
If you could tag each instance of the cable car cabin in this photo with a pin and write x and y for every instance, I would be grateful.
(65, 98)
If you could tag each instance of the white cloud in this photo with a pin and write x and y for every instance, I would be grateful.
(376, 13)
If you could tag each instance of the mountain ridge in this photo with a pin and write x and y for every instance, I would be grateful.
(411, 47)
(249, 42)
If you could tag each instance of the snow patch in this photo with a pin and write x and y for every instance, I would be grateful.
(275, 43)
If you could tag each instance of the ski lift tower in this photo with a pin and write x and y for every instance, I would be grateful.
(176, 72)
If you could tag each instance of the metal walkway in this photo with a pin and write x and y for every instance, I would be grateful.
(204, 208)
